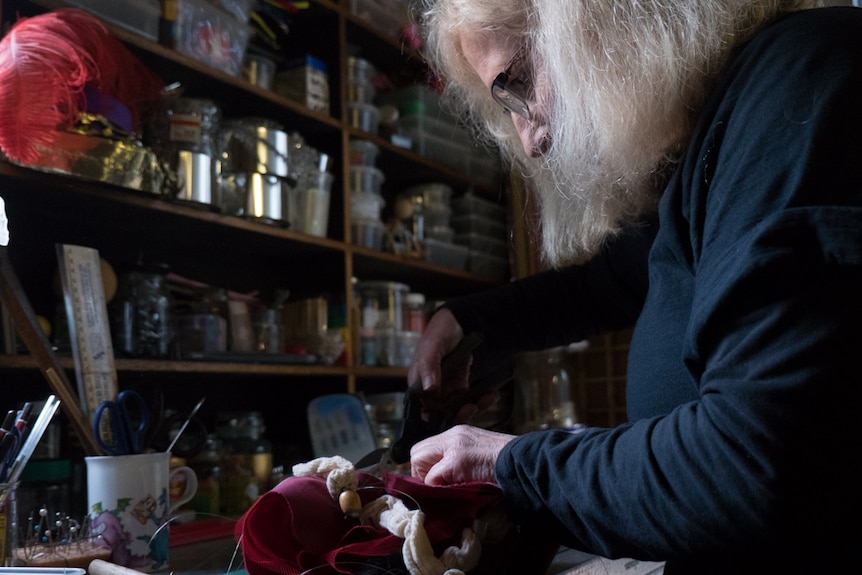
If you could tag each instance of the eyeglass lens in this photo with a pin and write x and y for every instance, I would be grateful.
(511, 87)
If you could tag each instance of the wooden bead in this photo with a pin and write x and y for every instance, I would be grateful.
(350, 503)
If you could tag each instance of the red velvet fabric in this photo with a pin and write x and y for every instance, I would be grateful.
(298, 526)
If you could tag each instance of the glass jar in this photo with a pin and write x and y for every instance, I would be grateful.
(544, 391)
(381, 307)
(414, 312)
(140, 313)
(246, 461)
(267, 331)
(207, 466)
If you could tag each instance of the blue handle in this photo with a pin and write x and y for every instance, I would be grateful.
(128, 419)
(136, 418)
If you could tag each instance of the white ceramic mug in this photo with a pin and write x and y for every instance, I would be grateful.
(128, 501)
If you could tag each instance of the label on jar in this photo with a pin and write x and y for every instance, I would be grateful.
(414, 320)
(186, 128)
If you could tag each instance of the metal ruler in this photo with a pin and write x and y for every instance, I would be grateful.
(89, 330)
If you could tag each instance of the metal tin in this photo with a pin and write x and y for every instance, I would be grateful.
(254, 145)
(263, 196)
(194, 176)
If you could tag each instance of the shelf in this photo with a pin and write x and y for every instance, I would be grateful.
(239, 254)
(26, 362)
(185, 230)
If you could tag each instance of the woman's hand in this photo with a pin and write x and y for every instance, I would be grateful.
(459, 455)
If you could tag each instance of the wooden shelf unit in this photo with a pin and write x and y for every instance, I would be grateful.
(45, 209)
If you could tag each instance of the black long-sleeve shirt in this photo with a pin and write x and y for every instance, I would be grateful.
(742, 454)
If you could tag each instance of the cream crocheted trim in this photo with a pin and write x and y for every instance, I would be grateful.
(390, 513)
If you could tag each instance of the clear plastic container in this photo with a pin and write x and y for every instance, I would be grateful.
(198, 21)
(445, 253)
(436, 215)
(437, 139)
(388, 16)
(141, 16)
(405, 347)
(473, 205)
(362, 92)
(381, 303)
(309, 204)
(365, 117)
(432, 193)
(483, 244)
(363, 153)
(472, 224)
(366, 206)
(360, 70)
(366, 179)
(440, 233)
(416, 100)
(367, 233)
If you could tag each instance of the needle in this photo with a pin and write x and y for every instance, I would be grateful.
(185, 424)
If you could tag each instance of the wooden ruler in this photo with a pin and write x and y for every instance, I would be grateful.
(89, 330)
(13, 296)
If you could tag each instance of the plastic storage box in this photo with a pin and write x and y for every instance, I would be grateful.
(445, 253)
(366, 206)
(440, 233)
(365, 117)
(471, 204)
(388, 16)
(416, 100)
(482, 244)
(469, 224)
(360, 70)
(433, 193)
(366, 179)
(367, 233)
(363, 153)
(211, 35)
(436, 215)
(437, 140)
(141, 16)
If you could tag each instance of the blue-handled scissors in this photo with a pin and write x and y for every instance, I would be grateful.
(124, 431)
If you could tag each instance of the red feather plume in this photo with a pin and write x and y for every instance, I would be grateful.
(45, 63)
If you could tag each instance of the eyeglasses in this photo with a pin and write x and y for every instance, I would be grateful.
(511, 88)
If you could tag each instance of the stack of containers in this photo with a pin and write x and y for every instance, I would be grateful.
(366, 201)
(432, 213)
(381, 306)
(437, 134)
(480, 226)
(391, 320)
(361, 111)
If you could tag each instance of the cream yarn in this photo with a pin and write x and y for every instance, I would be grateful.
(390, 513)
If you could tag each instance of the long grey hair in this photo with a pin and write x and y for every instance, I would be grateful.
(621, 82)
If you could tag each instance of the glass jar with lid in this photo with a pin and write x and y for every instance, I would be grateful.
(545, 393)
(246, 462)
(141, 313)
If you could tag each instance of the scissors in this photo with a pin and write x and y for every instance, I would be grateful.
(120, 426)
(414, 428)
